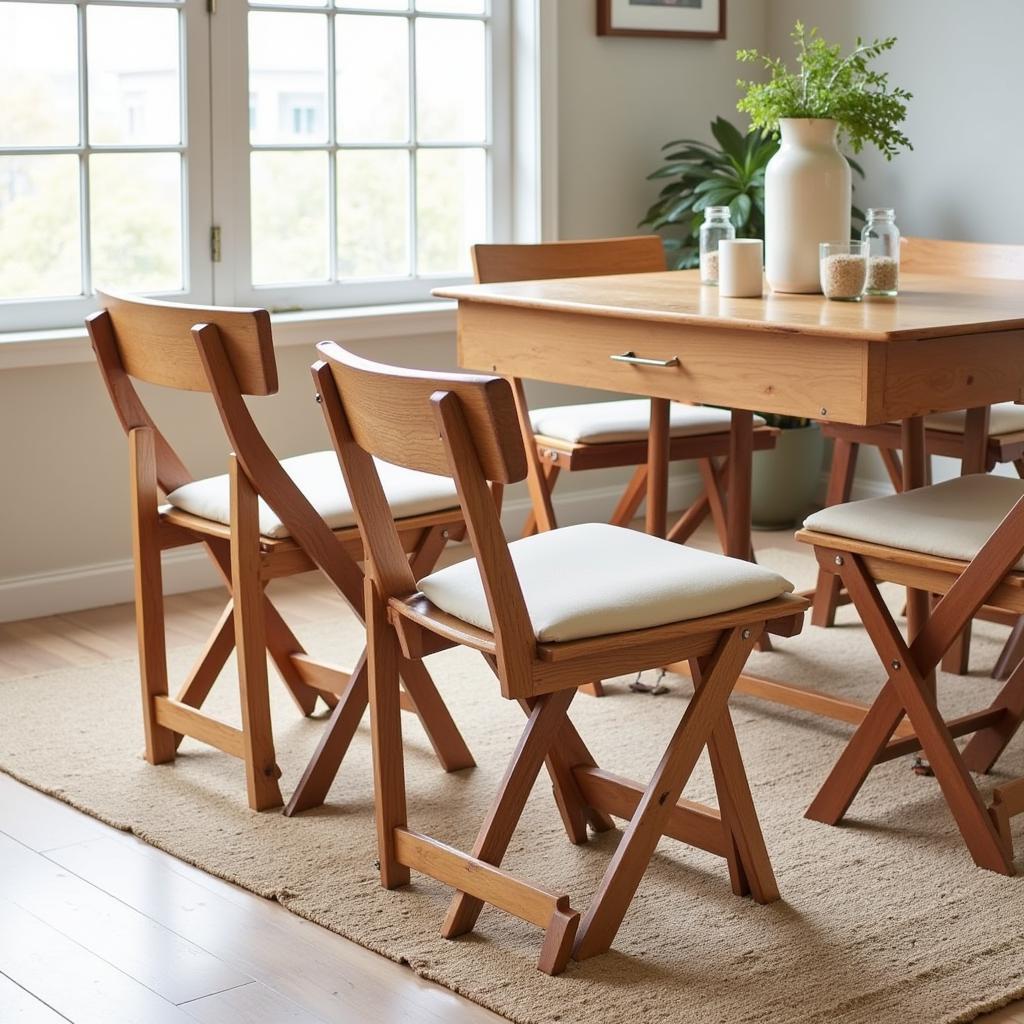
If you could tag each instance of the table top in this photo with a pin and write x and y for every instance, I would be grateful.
(927, 306)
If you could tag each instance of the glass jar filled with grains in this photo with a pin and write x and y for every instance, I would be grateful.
(717, 227)
(844, 268)
(883, 241)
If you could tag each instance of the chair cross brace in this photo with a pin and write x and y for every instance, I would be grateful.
(583, 793)
(907, 693)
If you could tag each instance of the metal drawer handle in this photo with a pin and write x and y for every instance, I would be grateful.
(632, 357)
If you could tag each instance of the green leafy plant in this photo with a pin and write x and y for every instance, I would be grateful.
(829, 85)
(701, 175)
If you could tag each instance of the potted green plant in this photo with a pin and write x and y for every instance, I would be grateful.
(699, 174)
(807, 186)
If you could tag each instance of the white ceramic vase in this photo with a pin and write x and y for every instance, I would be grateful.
(807, 195)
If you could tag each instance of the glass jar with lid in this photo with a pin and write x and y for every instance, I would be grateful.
(717, 227)
(883, 243)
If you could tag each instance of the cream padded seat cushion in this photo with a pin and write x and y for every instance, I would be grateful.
(626, 419)
(951, 519)
(318, 476)
(595, 579)
(1004, 418)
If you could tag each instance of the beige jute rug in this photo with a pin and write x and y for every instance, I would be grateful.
(883, 920)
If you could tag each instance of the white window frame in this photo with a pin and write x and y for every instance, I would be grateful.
(196, 197)
(523, 177)
(231, 194)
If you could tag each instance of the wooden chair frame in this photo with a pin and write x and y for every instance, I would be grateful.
(230, 356)
(978, 451)
(990, 578)
(467, 425)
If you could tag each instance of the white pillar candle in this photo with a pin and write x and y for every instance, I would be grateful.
(740, 268)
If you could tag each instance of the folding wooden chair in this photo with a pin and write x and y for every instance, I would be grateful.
(962, 539)
(263, 520)
(606, 435)
(956, 435)
(546, 612)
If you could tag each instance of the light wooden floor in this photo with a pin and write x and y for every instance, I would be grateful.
(96, 927)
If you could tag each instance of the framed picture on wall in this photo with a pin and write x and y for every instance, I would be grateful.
(684, 19)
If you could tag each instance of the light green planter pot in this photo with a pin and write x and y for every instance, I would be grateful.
(785, 479)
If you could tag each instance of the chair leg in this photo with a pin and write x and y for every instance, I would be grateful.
(840, 484)
(632, 498)
(204, 674)
(261, 770)
(750, 867)
(714, 488)
(149, 598)
(281, 642)
(547, 718)
(386, 730)
(281, 645)
(334, 743)
(1012, 653)
(987, 744)
(441, 730)
(907, 691)
(893, 466)
(601, 922)
(549, 472)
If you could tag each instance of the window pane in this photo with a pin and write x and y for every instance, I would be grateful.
(451, 193)
(372, 59)
(289, 217)
(451, 6)
(134, 76)
(135, 222)
(373, 213)
(288, 77)
(376, 5)
(450, 80)
(290, 3)
(39, 227)
(38, 75)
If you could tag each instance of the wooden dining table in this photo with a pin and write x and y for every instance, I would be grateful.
(943, 344)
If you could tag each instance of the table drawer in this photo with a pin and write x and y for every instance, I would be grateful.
(765, 371)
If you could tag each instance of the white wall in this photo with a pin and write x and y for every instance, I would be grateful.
(961, 60)
(621, 98)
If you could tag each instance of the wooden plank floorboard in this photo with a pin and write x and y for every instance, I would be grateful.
(250, 1004)
(152, 955)
(309, 966)
(18, 1006)
(73, 980)
(41, 822)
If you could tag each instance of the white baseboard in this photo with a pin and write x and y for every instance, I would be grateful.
(92, 586)
(187, 569)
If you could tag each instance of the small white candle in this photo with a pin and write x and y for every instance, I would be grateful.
(740, 268)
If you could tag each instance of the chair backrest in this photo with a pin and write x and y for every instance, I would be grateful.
(458, 424)
(962, 259)
(229, 353)
(154, 343)
(637, 254)
(390, 415)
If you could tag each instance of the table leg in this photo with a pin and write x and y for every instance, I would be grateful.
(915, 474)
(657, 468)
(741, 450)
